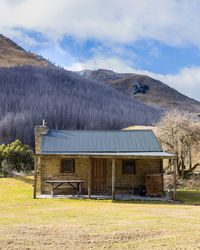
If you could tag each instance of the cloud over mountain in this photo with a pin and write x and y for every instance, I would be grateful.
(186, 81)
(108, 33)
(172, 22)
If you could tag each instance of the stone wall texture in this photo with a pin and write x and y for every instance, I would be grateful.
(38, 131)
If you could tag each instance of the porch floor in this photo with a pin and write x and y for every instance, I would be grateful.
(120, 197)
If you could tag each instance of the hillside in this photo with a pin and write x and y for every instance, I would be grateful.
(12, 55)
(66, 100)
(145, 89)
(138, 87)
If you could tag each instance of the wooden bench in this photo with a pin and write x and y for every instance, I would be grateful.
(121, 186)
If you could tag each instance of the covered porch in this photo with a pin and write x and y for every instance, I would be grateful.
(105, 184)
(131, 186)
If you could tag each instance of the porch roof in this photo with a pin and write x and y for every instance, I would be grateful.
(135, 155)
(101, 143)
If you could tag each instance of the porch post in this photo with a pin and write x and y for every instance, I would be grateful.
(113, 179)
(35, 177)
(175, 168)
(161, 170)
(41, 175)
(89, 179)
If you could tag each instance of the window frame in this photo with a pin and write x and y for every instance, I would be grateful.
(124, 165)
(62, 166)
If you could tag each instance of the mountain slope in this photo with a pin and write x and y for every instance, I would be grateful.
(145, 89)
(12, 55)
(66, 100)
(138, 87)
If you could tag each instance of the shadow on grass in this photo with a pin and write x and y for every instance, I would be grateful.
(146, 202)
(183, 198)
(24, 179)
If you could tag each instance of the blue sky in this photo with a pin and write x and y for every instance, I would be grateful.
(159, 38)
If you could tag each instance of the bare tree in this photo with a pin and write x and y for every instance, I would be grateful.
(179, 133)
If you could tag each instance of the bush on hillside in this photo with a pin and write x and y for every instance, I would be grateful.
(15, 157)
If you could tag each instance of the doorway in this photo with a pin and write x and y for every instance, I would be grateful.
(98, 176)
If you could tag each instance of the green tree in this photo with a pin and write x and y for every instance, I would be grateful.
(16, 157)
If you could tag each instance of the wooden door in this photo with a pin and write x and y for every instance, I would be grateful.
(98, 176)
(154, 185)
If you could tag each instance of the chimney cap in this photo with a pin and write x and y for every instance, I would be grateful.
(44, 123)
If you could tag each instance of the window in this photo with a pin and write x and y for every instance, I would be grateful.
(67, 166)
(128, 167)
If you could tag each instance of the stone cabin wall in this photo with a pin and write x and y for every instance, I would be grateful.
(51, 167)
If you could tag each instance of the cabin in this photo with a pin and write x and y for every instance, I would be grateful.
(98, 162)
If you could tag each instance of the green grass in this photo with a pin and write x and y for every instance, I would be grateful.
(84, 224)
(189, 196)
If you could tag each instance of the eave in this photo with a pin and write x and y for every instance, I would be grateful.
(108, 155)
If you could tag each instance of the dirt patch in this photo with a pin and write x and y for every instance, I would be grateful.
(67, 238)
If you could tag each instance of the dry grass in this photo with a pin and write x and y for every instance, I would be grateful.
(11, 55)
(82, 224)
(142, 127)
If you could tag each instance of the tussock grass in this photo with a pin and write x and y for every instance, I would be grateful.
(84, 224)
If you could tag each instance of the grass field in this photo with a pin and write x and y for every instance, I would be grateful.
(84, 224)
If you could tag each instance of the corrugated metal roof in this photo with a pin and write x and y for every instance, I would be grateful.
(95, 141)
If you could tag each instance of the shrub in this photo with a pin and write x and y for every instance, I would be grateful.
(2, 147)
(15, 157)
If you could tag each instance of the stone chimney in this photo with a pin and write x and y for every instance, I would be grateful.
(39, 130)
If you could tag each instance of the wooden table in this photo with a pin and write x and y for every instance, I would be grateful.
(76, 184)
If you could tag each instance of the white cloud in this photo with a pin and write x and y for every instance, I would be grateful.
(22, 38)
(186, 81)
(102, 61)
(174, 22)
